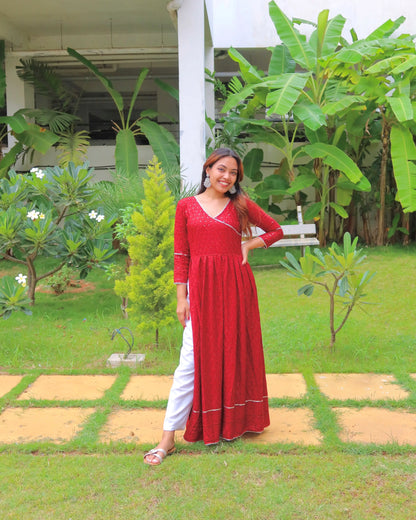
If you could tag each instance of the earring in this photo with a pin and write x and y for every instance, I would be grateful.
(232, 190)
(207, 182)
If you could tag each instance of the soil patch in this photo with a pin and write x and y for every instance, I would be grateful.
(75, 286)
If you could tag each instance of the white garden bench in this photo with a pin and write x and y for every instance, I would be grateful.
(300, 234)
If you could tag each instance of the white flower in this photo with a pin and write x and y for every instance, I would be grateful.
(33, 215)
(38, 172)
(92, 214)
(42, 216)
(100, 218)
(21, 278)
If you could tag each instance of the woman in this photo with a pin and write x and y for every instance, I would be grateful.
(219, 389)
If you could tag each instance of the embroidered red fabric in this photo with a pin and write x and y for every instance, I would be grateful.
(230, 392)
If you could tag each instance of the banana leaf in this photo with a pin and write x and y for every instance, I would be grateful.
(280, 61)
(117, 97)
(163, 144)
(338, 160)
(139, 83)
(310, 115)
(401, 106)
(38, 138)
(126, 154)
(403, 154)
(299, 48)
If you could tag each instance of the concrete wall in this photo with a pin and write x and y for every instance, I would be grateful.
(246, 23)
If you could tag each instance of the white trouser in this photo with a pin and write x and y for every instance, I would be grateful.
(182, 392)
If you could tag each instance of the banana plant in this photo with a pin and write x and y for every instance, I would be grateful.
(337, 272)
(126, 154)
(313, 97)
(382, 72)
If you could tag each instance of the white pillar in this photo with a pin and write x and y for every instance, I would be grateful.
(18, 93)
(209, 88)
(191, 49)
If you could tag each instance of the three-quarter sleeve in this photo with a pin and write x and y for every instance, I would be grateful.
(259, 218)
(181, 246)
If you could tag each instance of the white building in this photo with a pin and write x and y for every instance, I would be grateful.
(175, 39)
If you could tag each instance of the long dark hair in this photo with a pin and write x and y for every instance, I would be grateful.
(239, 197)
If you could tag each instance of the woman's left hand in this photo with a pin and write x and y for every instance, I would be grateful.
(244, 251)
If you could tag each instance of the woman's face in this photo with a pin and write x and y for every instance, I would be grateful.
(223, 174)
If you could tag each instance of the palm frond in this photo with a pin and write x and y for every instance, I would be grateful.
(73, 147)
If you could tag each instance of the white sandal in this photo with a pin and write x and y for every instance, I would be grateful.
(155, 453)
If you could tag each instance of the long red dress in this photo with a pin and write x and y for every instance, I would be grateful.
(230, 392)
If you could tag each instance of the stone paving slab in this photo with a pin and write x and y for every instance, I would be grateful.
(139, 426)
(145, 426)
(67, 388)
(8, 382)
(286, 385)
(377, 425)
(147, 388)
(57, 425)
(360, 386)
(289, 425)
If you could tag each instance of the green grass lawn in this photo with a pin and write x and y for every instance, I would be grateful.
(71, 334)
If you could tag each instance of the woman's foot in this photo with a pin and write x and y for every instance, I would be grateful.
(155, 456)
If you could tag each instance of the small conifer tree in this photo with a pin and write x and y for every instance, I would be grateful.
(149, 285)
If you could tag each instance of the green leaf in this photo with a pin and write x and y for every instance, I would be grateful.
(402, 107)
(337, 159)
(386, 29)
(272, 185)
(126, 154)
(17, 122)
(307, 290)
(280, 61)
(139, 83)
(341, 104)
(403, 154)
(38, 138)
(117, 97)
(10, 158)
(163, 143)
(248, 72)
(311, 115)
(312, 211)
(299, 48)
(301, 182)
(252, 164)
(330, 35)
(173, 91)
(339, 209)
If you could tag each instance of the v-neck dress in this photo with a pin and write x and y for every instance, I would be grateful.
(230, 392)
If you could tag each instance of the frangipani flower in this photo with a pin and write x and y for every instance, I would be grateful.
(100, 218)
(42, 216)
(33, 214)
(38, 172)
(21, 279)
(92, 214)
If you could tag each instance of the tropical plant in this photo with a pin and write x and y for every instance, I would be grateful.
(29, 136)
(73, 147)
(381, 69)
(126, 154)
(312, 97)
(336, 272)
(13, 296)
(149, 285)
(53, 213)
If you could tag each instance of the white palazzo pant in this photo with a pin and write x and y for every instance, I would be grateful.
(182, 392)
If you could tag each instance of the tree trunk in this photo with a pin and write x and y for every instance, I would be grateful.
(385, 140)
(406, 225)
(31, 280)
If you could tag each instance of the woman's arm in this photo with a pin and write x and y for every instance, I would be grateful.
(182, 309)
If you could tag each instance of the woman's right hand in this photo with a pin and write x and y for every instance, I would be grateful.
(183, 311)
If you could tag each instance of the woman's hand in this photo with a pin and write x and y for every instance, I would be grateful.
(182, 308)
(247, 246)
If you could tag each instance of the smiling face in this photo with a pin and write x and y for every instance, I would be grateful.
(223, 174)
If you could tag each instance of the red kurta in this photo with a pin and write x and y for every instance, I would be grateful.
(230, 392)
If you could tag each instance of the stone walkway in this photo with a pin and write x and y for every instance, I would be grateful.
(369, 408)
